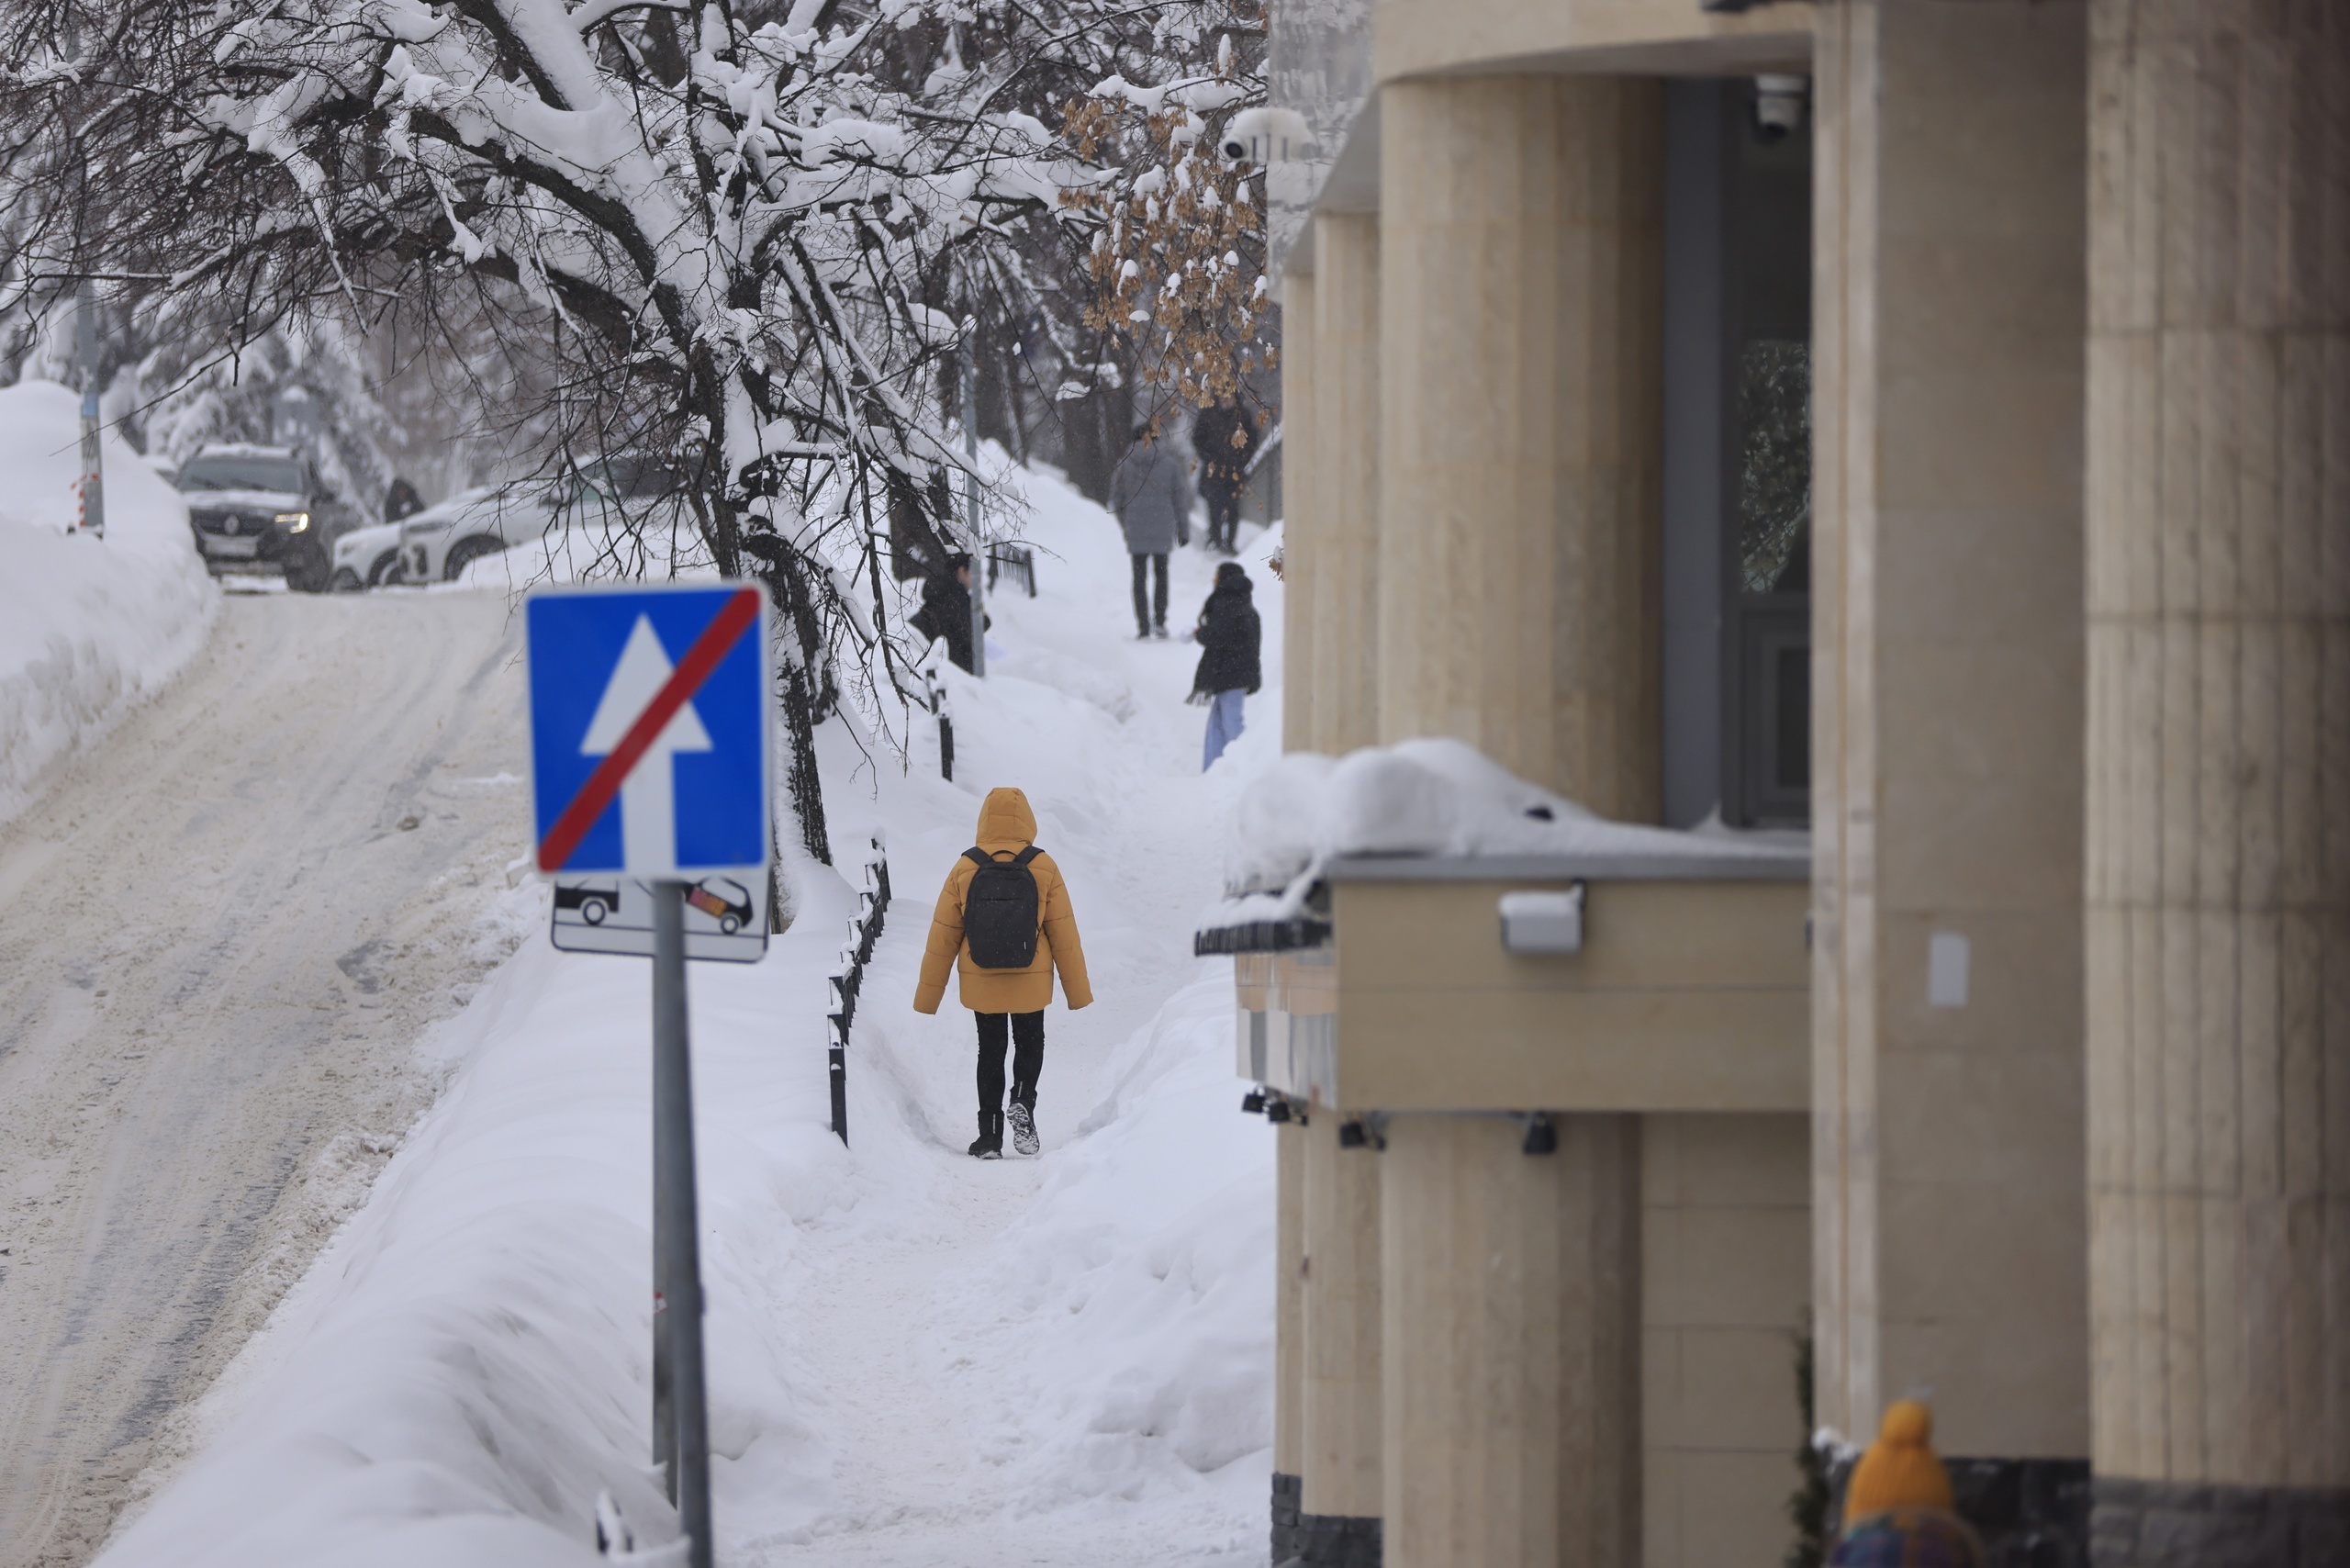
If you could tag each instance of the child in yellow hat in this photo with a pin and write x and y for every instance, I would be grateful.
(1897, 1505)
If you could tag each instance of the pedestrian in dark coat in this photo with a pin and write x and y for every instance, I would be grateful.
(1152, 496)
(401, 501)
(1230, 636)
(947, 610)
(1225, 438)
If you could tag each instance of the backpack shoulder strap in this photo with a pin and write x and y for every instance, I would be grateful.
(978, 857)
(1026, 854)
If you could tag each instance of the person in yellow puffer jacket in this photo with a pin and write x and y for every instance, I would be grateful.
(1006, 1001)
(1897, 1507)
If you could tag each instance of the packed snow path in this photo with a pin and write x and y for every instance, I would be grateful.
(1037, 1362)
(225, 927)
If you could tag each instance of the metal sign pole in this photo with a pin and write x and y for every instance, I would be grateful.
(676, 1250)
(620, 682)
(93, 488)
(972, 506)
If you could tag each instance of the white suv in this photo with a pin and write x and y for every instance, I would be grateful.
(633, 491)
(439, 542)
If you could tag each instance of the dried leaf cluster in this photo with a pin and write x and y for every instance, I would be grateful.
(1177, 258)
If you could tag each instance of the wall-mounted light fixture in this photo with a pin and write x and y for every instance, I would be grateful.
(1543, 922)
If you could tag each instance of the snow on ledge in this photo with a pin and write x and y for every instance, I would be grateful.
(1438, 809)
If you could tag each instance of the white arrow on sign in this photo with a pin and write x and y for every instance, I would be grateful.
(649, 797)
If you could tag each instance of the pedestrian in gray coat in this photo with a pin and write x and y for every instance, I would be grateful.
(1152, 496)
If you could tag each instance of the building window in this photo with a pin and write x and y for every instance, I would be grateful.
(1738, 462)
(1767, 730)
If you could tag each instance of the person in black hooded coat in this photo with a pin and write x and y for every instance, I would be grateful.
(1230, 636)
(947, 609)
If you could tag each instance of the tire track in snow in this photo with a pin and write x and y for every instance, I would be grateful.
(221, 932)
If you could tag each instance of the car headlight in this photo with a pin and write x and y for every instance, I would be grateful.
(294, 522)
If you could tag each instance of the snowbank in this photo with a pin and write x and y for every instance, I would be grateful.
(87, 626)
(911, 1351)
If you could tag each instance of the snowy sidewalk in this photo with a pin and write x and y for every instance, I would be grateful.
(1016, 1378)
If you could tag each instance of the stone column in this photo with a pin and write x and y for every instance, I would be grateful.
(1521, 280)
(1949, 1222)
(1521, 264)
(1302, 473)
(2219, 780)
(1289, 1333)
(1511, 1332)
(1342, 1473)
(1346, 353)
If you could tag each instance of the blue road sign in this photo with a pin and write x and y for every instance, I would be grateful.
(649, 741)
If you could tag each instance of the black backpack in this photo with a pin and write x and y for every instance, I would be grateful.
(1000, 910)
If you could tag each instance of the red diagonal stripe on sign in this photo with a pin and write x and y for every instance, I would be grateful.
(717, 640)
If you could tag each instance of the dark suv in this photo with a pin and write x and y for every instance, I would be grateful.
(260, 509)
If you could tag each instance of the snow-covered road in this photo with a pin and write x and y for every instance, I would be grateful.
(221, 932)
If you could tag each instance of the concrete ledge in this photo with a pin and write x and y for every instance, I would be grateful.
(1688, 994)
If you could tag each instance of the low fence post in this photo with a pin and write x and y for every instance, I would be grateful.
(935, 691)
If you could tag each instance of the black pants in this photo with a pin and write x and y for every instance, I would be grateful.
(1224, 517)
(1149, 610)
(1027, 1031)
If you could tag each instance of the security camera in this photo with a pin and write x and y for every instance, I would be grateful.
(1263, 136)
(1778, 105)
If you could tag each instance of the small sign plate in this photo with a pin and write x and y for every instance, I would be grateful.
(727, 917)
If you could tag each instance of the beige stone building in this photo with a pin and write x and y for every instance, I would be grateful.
(1923, 423)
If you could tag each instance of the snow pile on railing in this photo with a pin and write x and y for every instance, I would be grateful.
(88, 626)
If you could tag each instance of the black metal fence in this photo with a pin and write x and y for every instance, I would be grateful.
(864, 931)
(1015, 562)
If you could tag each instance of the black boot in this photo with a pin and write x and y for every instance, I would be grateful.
(989, 1145)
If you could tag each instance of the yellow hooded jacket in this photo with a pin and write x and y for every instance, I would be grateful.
(1006, 827)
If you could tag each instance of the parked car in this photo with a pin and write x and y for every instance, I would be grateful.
(438, 544)
(262, 509)
(637, 491)
(368, 557)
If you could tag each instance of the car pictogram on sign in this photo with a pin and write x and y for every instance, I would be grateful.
(596, 902)
(731, 908)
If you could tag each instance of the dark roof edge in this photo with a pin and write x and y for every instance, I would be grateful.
(1260, 937)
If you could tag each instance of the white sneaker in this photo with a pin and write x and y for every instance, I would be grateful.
(1024, 1129)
